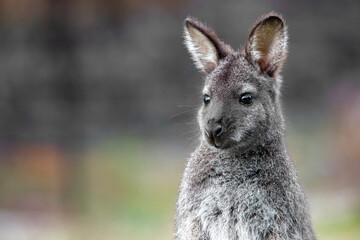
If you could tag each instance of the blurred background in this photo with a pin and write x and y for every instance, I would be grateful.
(98, 101)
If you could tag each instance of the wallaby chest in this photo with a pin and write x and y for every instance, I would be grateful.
(224, 193)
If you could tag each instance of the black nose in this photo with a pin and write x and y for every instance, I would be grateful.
(214, 131)
(217, 130)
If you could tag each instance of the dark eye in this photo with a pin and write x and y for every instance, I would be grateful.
(246, 99)
(206, 99)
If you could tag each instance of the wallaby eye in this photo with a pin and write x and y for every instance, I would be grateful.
(206, 99)
(246, 99)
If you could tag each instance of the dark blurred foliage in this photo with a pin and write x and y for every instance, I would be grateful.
(75, 74)
(73, 69)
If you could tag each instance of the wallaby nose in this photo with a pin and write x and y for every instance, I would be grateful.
(213, 131)
(217, 130)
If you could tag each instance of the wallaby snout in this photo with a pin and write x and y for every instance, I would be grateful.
(214, 132)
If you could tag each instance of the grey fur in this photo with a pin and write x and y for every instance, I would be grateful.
(243, 184)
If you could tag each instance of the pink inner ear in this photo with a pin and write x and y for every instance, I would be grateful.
(209, 66)
(264, 64)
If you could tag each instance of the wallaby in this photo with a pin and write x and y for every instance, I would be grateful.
(240, 182)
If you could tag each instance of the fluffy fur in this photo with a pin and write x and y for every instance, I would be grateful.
(242, 184)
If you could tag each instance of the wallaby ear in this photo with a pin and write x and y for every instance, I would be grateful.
(267, 44)
(205, 47)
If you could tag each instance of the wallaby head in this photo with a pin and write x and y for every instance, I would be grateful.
(241, 92)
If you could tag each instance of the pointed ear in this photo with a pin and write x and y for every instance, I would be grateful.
(267, 44)
(205, 47)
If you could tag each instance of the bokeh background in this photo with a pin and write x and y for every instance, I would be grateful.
(98, 101)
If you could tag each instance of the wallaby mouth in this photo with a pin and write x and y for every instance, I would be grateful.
(217, 142)
(210, 139)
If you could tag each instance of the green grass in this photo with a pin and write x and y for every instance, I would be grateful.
(344, 228)
(149, 188)
(133, 185)
(129, 191)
